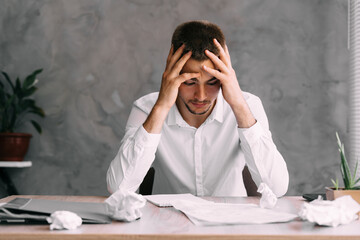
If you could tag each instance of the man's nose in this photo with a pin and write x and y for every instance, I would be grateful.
(200, 93)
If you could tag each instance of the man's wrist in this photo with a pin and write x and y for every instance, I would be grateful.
(161, 109)
(243, 115)
(156, 118)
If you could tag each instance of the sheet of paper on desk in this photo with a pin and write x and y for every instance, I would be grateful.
(165, 200)
(209, 214)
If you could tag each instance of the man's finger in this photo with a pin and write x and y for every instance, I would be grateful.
(223, 55)
(217, 61)
(227, 51)
(180, 64)
(175, 57)
(213, 72)
(170, 54)
(187, 76)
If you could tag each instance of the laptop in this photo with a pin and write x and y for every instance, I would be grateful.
(22, 210)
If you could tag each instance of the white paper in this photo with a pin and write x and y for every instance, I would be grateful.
(342, 210)
(124, 205)
(64, 220)
(209, 214)
(268, 198)
(165, 200)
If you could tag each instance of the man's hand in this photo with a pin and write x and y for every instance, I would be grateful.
(229, 84)
(171, 81)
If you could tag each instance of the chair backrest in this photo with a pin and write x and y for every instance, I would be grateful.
(147, 184)
(250, 186)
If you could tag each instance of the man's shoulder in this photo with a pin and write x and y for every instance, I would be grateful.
(147, 102)
(250, 98)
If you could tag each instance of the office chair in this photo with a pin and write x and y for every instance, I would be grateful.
(147, 185)
(250, 186)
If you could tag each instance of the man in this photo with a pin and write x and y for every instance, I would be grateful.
(201, 129)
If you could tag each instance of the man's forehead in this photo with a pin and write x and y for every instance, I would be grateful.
(196, 66)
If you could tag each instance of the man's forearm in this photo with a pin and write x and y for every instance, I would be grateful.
(243, 115)
(155, 120)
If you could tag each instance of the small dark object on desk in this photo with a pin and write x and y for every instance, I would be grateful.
(312, 196)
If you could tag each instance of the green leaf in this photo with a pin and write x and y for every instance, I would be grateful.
(27, 103)
(12, 122)
(10, 101)
(345, 171)
(17, 84)
(344, 167)
(37, 71)
(336, 184)
(8, 80)
(356, 181)
(3, 96)
(353, 177)
(36, 126)
(38, 111)
(29, 81)
(29, 92)
(18, 90)
(355, 170)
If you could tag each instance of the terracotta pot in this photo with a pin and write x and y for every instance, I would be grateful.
(332, 194)
(13, 146)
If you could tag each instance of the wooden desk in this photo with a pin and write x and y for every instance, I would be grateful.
(168, 223)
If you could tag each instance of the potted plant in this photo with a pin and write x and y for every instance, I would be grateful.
(15, 106)
(349, 179)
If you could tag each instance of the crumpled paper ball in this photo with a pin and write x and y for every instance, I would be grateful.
(64, 220)
(124, 205)
(342, 210)
(268, 198)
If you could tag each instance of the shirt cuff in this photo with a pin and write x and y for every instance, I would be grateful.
(145, 139)
(251, 134)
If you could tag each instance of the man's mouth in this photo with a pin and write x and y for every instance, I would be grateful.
(199, 104)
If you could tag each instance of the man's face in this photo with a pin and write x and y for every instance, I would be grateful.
(197, 96)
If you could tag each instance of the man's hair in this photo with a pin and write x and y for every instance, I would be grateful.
(197, 37)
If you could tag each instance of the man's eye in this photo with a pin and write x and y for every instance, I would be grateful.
(213, 82)
(189, 83)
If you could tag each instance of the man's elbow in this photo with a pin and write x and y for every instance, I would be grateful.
(111, 182)
(110, 187)
(282, 185)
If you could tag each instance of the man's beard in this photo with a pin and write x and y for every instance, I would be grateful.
(196, 113)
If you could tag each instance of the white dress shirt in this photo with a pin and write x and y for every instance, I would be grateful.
(204, 161)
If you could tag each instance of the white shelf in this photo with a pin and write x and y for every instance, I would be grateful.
(14, 164)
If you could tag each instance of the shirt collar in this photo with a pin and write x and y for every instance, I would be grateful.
(175, 118)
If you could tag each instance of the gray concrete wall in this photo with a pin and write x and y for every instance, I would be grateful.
(98, 56)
